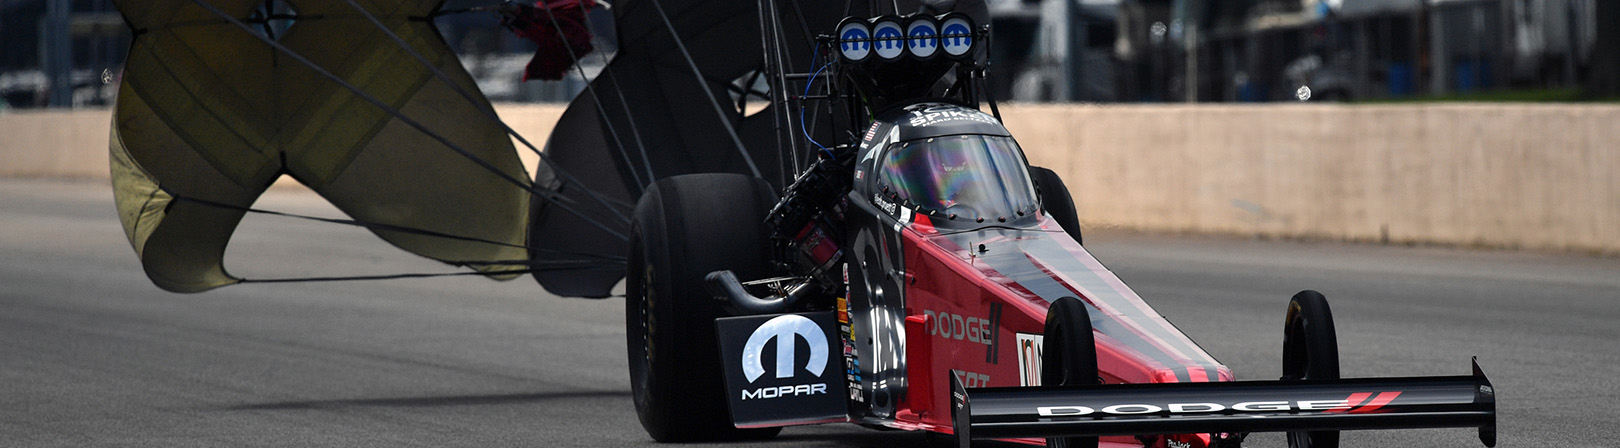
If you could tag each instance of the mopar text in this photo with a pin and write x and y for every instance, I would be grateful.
(785, 391)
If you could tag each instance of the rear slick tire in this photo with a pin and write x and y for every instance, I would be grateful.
(685, 227)
(1069, 356)
(1310, 352)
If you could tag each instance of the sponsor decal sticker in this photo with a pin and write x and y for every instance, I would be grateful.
(883, 203)
(888, 39)
(852, 375)
(958, 327)
(936, 115)
(922, 38)
(852, 361)
(956, 36)
(784, 329)
(856, 43)
(1353, 404)
(782, 369)
(1029, 359)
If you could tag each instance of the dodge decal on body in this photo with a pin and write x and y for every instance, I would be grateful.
(1352, 404)
(958, 327)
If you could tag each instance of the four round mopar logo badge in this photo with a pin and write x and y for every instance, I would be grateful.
(854, 40)
(919, 35)
(956, 34)
(922, 37)
(887, 37)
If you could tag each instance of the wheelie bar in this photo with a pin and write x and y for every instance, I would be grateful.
(1232, 407)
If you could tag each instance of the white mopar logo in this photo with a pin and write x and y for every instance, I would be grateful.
(784, 329)
(922, 39)
(855, 39)
(855, 46)
(889, 40)
(785, 391)
(956, 36)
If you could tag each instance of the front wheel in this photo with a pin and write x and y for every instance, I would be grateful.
(685, 227)
(1057, 202)
(1069, 356)
(1310, 352)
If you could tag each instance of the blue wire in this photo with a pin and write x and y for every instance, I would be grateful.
(814, 56)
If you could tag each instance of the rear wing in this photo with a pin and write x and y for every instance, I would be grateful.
(1232, 407)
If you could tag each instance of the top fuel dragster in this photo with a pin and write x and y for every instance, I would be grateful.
(908, 270)
(921, 275)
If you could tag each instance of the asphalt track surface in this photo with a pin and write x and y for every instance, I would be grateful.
(91, 354)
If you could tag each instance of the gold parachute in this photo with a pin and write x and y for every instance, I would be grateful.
(362, 101)
(210, 114)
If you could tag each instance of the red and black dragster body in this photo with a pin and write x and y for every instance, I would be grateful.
(921, 275)
(961, 292)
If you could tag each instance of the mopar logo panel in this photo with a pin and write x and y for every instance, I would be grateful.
(780, 369)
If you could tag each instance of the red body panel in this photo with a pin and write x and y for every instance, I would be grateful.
(966, 315)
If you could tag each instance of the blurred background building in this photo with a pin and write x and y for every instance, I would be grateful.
(68, 53)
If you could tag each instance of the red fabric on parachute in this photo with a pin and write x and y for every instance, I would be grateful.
(555, 38)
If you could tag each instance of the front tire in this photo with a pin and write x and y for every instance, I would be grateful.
(1310, 352)
(685, 227)
(1069, 356)
(1055, 199)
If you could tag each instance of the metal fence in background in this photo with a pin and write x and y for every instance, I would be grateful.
(62, 53)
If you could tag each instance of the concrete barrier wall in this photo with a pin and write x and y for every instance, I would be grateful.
(55, 143)
(1504, 175)
(73, 144)
(1529, 176)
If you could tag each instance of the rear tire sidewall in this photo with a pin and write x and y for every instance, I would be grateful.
(1069, 356)
(1310, 352)
(685, 227)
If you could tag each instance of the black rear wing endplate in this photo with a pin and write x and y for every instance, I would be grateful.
(1466, 401)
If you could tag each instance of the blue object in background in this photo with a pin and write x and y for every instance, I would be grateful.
(1251, 92)
(1401, 79)
(1473, 74)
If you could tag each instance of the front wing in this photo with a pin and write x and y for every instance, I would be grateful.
(1229, 407)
